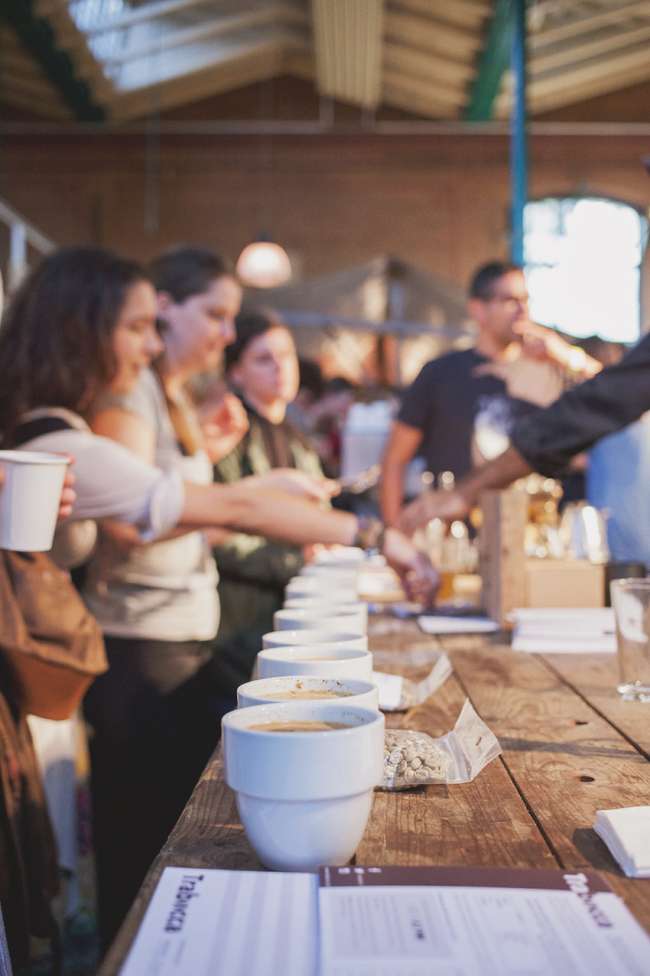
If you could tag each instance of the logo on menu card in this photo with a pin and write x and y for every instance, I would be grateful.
(579, 885)
(187, 889)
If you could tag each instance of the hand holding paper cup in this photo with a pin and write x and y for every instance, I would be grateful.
(29, 499)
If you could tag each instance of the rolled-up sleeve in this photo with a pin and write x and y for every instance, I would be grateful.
(611, 400)
(111, 482)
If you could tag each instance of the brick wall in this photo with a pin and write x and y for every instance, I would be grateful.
(333, 200)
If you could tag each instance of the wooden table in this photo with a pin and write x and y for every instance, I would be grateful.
(570, 747)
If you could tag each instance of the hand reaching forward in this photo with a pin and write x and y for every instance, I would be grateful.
(419, 578)
(445, 505)
(223, 426)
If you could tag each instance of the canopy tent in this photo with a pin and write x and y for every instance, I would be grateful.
(374, 322)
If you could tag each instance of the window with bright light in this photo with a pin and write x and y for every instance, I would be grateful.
(583, 265)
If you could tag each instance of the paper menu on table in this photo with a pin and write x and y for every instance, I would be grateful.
(471, 922)
(373, 921)
(239, 923)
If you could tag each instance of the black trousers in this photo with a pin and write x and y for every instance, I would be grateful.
(153, 729)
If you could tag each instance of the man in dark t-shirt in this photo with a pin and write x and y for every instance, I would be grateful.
(462, 406)
(450, 404)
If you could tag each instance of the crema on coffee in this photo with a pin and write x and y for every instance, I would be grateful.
(297, 726)
(303, 694)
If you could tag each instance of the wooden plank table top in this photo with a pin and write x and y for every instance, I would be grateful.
(570, 748)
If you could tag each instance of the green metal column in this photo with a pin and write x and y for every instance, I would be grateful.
(495, 57)
(518, 135)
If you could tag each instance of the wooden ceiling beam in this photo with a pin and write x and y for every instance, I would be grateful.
(254, 62)
(39, 89)
(74, 43)
(458, 13)
(420, 32)
(41, 40)
(300, 64)
(596, 69)
(586, 23)
(589, 80)
(437, 70)
(427, 105)
(57, 111)
(450, 98)
(573, 53)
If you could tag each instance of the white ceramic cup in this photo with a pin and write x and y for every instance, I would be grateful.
(352, 618)
(315, 635)
(318, 600)
(304, 797)
(343, 557)
(29, 499)
(323, 660)
(316, 586)
(337, 576)
(352, 691)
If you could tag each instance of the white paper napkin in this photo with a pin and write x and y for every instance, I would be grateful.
(626, 832)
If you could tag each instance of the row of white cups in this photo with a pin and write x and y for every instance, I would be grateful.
(304, 797)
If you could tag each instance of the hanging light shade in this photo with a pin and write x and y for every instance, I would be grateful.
(264, 264)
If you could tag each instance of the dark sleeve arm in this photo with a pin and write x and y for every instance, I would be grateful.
(611, 400)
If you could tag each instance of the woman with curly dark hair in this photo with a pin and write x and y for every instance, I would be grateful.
(82, 331)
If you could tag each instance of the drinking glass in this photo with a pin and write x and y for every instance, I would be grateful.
(631, 602)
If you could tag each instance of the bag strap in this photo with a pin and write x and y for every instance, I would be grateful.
(30, 429)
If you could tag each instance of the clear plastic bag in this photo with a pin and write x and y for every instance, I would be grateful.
(414, 758)
(397, 694)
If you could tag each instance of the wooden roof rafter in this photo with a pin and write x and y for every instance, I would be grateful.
(423, 56)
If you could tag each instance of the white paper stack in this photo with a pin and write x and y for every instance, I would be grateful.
(457, 625)
(627, 834)
(564, 630)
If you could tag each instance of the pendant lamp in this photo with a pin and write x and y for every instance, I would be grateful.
(263, 264)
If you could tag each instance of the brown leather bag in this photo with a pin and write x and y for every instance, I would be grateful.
(53, 645)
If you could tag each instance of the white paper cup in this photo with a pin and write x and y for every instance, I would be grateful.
(29, 499)
(322, 660)
(352, 618)
(348, 691)
(315, 635)
(304, 797)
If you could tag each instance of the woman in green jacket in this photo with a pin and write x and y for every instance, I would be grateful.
(262, 366)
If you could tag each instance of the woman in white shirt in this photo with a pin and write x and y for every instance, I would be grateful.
(81, 326)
